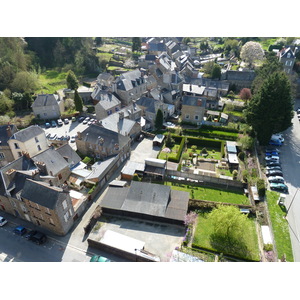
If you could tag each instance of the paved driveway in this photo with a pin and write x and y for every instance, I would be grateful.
(144, 149)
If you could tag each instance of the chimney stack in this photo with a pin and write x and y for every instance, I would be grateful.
(9, 132)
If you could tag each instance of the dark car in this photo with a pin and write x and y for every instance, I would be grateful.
(273, 164)
(20, 230)
(271, 153)
(53, 124)
(281, 187)
(81, 119)
(268, 168)
(274, 173)
(276, 179)
(30, 234)
(38, 238)
(47, 125)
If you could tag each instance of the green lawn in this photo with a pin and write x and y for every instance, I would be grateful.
(211, 194)
(51, 81)
(173, 154)
(204, 231)
(280, 227)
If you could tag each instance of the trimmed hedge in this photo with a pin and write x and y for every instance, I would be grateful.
(219, 128)
(204, 142)
(181, 141)
(208, 133)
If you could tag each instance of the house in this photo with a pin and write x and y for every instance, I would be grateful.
(69, 155)
(149, 107)
(193, 109)
(31, 140)
(53, 211)
(132, 168)
(240, 79)
(6, 155)
(131, 85)
(48, 106)
(287, 58)
(105, 80)
(118, 123)
(144, 200)
(145, 61)
(156, 48)
(99, 142)
(105, 102)
(155, 168)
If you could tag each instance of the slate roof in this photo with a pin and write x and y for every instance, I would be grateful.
(45, 100)
(157, 47)
(284, 52)
(106, 99)
(148, 199)
(150, 57)
(149, 103)
(114, 123)
(193, 88)
(27, 133)
(240, 75)
(52, 159)
(3, 134)
(193, 101)
(52, 195)
(99, 167)
(71, 157)
(94, 131)
(127, 80)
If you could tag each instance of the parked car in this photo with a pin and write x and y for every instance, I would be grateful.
(275, 143)
(66, 121)
(47, 125)
(53, 124)
(30, 234)
(276, 179)
(20, 230)
(60, 122)
(89, 122)
(272, 153)
(52, 136)
(81, 119)
(73, 139)
(38, 238)
(270, 149)
(272, 158)
(268, 168)
(98, 258)
(274, 173)
(73, 119)
(273, 163)
(281, 187)
(3, 221)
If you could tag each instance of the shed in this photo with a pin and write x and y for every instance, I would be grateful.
(158, 140)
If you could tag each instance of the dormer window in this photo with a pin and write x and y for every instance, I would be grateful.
(288, 55)
(36, 139)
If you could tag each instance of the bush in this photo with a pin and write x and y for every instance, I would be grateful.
(241, 155)
(234, 174)
(261, 188)
(268, 247)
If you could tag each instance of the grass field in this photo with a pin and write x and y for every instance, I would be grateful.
(204, 231)
(280, 227)
(210, 194)
(51, 81)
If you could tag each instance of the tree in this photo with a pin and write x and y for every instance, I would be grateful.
(72, 82)
(136, 44)
(271, 108)
(229, 227)
(169, 141)
(245, 94)
(159, 119)
(186, 40)
(98, 41)
(246, 142)
(252, 52)
(69, 104)
(78, 102)
(216, 71)
(25, 82)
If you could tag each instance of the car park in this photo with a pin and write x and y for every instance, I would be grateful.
(276, 179)
(38, 238)
(53, 124)
(20, 230)
(66, 121)
(47, 125)
(274, 173)
(98, 258)
(281, 187)
(3, 221)
(60, 122)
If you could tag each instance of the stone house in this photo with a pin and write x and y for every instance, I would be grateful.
(107, 103)
(31, 140)
(54, 211)
(6, 155)
(193, 109)
(240, 79)
(287, 58)
(99, 142)
(48, 106)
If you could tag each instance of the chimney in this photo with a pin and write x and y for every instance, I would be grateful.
(9, 131)
(50, 182)
(121, 115)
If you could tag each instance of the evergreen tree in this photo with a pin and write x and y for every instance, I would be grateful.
(159, 119)
(136, 44)
(78, 102)
(271, 108)
(72, 82)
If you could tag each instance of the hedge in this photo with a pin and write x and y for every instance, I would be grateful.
(219, 128)
(204, 142)
(232, 136)
(181, 145)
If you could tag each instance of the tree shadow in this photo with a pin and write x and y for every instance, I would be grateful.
(232, 246)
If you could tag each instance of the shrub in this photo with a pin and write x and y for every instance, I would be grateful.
(261, 188)
(268, 247)
(234, 174)
(241, 155)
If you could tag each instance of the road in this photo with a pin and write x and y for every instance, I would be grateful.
(290, 158)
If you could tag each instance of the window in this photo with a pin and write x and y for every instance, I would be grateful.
(196, 117)
(187, 116)
(48, 211)
(39, 147)
(16, 146)
(37, 206)
(20, 154)
(288, 55)
(36, 139)
(66, 216)
(2, 156)
(59, 176)
(51, 222)
(64, 204)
